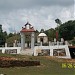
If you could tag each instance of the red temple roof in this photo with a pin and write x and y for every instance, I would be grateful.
(28, 28)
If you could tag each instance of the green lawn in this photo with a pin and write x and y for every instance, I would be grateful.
(49, 66)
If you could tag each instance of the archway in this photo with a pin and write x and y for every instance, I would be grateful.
(26, 33)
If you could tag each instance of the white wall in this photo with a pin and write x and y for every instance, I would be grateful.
(41, 47)
(10, 48)
(51, 50)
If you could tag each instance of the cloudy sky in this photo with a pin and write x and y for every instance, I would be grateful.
(40, 13)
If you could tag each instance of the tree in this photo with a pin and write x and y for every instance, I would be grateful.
(2, 39)
(42, 30)
(11, 40)
(1, 28)
(58, 21)
(67, 30)
(10, 34)
(36, 31)
(3, 36)
(36, 34)
(51, 34)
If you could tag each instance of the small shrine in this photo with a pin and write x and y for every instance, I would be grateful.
(42, 37)
(27, 32)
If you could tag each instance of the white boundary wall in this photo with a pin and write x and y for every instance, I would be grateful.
(51, 50)
(11, 48)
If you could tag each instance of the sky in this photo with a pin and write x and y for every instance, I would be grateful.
(39, 13)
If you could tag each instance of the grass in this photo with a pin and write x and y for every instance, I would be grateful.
(49, 66)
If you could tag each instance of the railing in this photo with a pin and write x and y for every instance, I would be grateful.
(53, 43)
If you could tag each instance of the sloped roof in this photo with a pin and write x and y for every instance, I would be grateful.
(27, 29)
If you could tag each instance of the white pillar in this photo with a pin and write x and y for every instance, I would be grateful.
(49, 43)
(67, 52)
(57, 42)
(62, 40)
(5, 44)
(19, 44)
(14, 45)
(54, 39)
(66, 43)
(22, 41)
(32, 40)
(51, 51)
(41, 43)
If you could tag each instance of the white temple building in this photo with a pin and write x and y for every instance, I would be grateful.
(42, 37)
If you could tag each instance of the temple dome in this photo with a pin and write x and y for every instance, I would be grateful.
(42, 34)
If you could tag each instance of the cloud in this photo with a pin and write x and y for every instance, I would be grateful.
(43, 17)
(25, 4)
(40, 13)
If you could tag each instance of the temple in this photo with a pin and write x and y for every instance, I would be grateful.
(41, 47)
(44, 47)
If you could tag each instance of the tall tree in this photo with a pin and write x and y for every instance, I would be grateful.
(1, 28)
(67, 30)
(3, 36)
